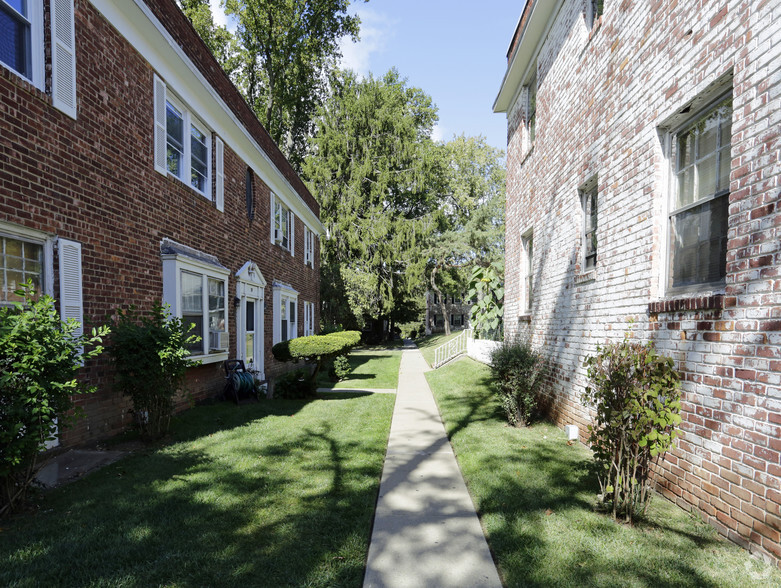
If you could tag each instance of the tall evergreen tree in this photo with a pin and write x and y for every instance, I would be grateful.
(373, 167)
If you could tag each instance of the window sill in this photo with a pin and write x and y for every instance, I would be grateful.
(525, 317)
(210, 358)
(687, 303)
(585, 278)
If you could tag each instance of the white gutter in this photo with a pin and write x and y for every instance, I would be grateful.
(533, 33)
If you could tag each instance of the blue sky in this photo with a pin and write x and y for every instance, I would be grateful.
(455, 51)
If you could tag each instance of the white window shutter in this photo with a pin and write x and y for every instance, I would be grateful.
(71, 302)
(273, 217)
(219, 196)
(161, 135)
(292, 219)
(63, 57)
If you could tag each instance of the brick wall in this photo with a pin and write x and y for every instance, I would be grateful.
(603, 98)
(93, 180)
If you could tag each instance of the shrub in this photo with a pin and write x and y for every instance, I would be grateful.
(412, 329)
(517, 372)
(317, 349)
(294, 384)
(39, 358)
(151, 357)
(636, 396)
(340, 369)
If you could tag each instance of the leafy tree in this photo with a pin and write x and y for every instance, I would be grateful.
(470, 228)
(636, 399)
(279, 58)
(373, 167)
(39, 358)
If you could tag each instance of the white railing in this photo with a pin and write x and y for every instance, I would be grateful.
(453, 348)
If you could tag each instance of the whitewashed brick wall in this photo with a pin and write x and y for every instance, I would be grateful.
(603, 96)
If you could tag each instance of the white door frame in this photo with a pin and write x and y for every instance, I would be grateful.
(250, 285)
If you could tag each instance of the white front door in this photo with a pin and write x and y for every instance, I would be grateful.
(250, 331)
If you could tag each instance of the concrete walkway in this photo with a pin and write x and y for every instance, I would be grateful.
(426, 531)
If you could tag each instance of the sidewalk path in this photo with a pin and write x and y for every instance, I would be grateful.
(426, 531)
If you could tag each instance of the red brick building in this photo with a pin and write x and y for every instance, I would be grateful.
(644, 194)
(131, 170)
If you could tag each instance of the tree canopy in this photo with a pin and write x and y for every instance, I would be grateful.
(373, 167)
(279, 58)
(470, 224)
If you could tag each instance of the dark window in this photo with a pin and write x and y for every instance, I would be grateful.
(700, 199)
(249, 194)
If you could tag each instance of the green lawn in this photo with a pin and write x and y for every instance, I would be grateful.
(535, 496)
(428, 344)
(373, 368)
(279, 493)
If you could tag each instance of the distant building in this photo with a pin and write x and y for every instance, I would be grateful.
(131, 170)
(451, 307)
(644, 195)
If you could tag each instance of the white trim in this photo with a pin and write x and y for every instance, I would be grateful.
(63, 56)
(219, 184)
(136, 22)
(161, 131)
(35, 18)
(250, 285)
(534, 34)
(174, 265)
(282, 292)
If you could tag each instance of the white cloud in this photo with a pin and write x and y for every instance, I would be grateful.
(376, 29)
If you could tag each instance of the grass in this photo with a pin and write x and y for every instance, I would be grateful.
(373, 368)
(279, 493)
(535, 496)
(429, 343)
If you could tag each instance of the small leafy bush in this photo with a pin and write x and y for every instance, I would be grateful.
(294, 384)
(518, 371)
(316, 348)
(636, 395)
(340, 369)
(39, 358)
(151, 358)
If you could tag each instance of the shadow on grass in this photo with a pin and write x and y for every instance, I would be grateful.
(270, 512)
(535, 496)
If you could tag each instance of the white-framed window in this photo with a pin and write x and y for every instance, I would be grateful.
(285, 312)
(195, 286)
(282, 225)
(531, 106)
(25, 254)
(309, 247)
(183, 143)
(698, 209)
(187, 147)
(588, 201)
(309, 318)
(21, 38)
(527, 272)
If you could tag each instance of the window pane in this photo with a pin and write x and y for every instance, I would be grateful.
(199, 156)
(292, 312)
(192, 301)
(250, 317)
(708, 140)
(197, 321)
(284, 330)
(699, 244)
(725, 164)
(706, 176)
(685, 187)
(19, 262)
(15, 39)
(249, 349)
(175, 132)
(216, 305)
